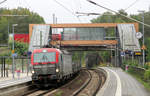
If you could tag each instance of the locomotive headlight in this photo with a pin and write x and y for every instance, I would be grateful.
(32, 71)
(57, 70)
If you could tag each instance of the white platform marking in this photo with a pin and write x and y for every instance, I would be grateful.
(118, 91)
(101, 92)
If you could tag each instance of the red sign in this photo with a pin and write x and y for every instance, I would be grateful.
(22, 38)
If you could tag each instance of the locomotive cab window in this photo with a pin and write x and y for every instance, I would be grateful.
(45, 57)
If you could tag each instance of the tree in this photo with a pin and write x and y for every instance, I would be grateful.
(108, 17)
(23, 22)
(116, 18)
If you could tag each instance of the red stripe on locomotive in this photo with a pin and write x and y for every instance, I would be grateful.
(41, 51)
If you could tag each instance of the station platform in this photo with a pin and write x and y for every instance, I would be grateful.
(10, 81)
(120, 83)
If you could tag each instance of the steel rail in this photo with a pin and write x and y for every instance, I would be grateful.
(100, 82)
(84, 85)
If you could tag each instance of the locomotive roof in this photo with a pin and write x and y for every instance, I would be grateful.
(48, 49)
(52, 49)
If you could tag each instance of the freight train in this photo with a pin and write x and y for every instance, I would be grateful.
(52, 66)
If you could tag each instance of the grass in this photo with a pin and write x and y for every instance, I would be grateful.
(59, 93)
(4, 51)
(146, 84)
(79, 81)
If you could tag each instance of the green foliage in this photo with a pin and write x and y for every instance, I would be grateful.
(59, 93)
(23, 22)
(83, 54)
(105, 18)
(147, 40)
(147, 75)
(103, 65)
(75, 56)
(132, 63)
(108, 17)
(106, 56)
(79, 81)
(5, 51)
(8, 53)
(146, 66)
(140, 79)
(130, 69)
(141, 75)
(20, 48)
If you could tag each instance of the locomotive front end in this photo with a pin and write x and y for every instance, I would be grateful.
(45, 66)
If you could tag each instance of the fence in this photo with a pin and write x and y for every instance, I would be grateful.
(21, 63)
(138, 70)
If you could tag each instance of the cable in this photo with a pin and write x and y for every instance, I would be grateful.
(68, 10)
(14, 15)
(28, 5)
(131, 4)
(3, 1)
(78, 4)
(33, 14)
(118, 13)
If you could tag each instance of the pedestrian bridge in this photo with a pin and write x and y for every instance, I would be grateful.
(91, 36)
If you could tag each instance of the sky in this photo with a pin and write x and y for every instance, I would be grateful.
(46, 8)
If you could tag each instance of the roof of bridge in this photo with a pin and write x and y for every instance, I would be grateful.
(83, 25)
(83, 42)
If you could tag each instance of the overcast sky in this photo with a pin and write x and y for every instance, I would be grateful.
(46, 8)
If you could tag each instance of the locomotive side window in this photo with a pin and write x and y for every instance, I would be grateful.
(45, 57)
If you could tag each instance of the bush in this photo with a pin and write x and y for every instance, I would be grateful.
(130, 69)
(147, 75)
(20, 48)
(146, 66)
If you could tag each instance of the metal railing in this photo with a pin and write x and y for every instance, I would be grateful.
(21, 63)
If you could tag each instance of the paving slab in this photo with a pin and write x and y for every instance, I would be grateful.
(10, 81)
(120, 83)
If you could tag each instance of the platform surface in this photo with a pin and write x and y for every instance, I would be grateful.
(120, 83)
(10, 81)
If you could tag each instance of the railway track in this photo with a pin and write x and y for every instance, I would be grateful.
(48, 92)
(38, 92)
(92, 85)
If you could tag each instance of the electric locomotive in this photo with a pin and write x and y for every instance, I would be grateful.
(51, 66)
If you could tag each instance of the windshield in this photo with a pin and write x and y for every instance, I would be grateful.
(45, 57)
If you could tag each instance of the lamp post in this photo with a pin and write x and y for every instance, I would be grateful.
(142, 12)
(13, 47)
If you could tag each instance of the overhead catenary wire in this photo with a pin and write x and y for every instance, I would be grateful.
(3, 1)
(67, 10)
(33, 15)
(131, 4)
(118, 13)
(14, 15)
(77, 4)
